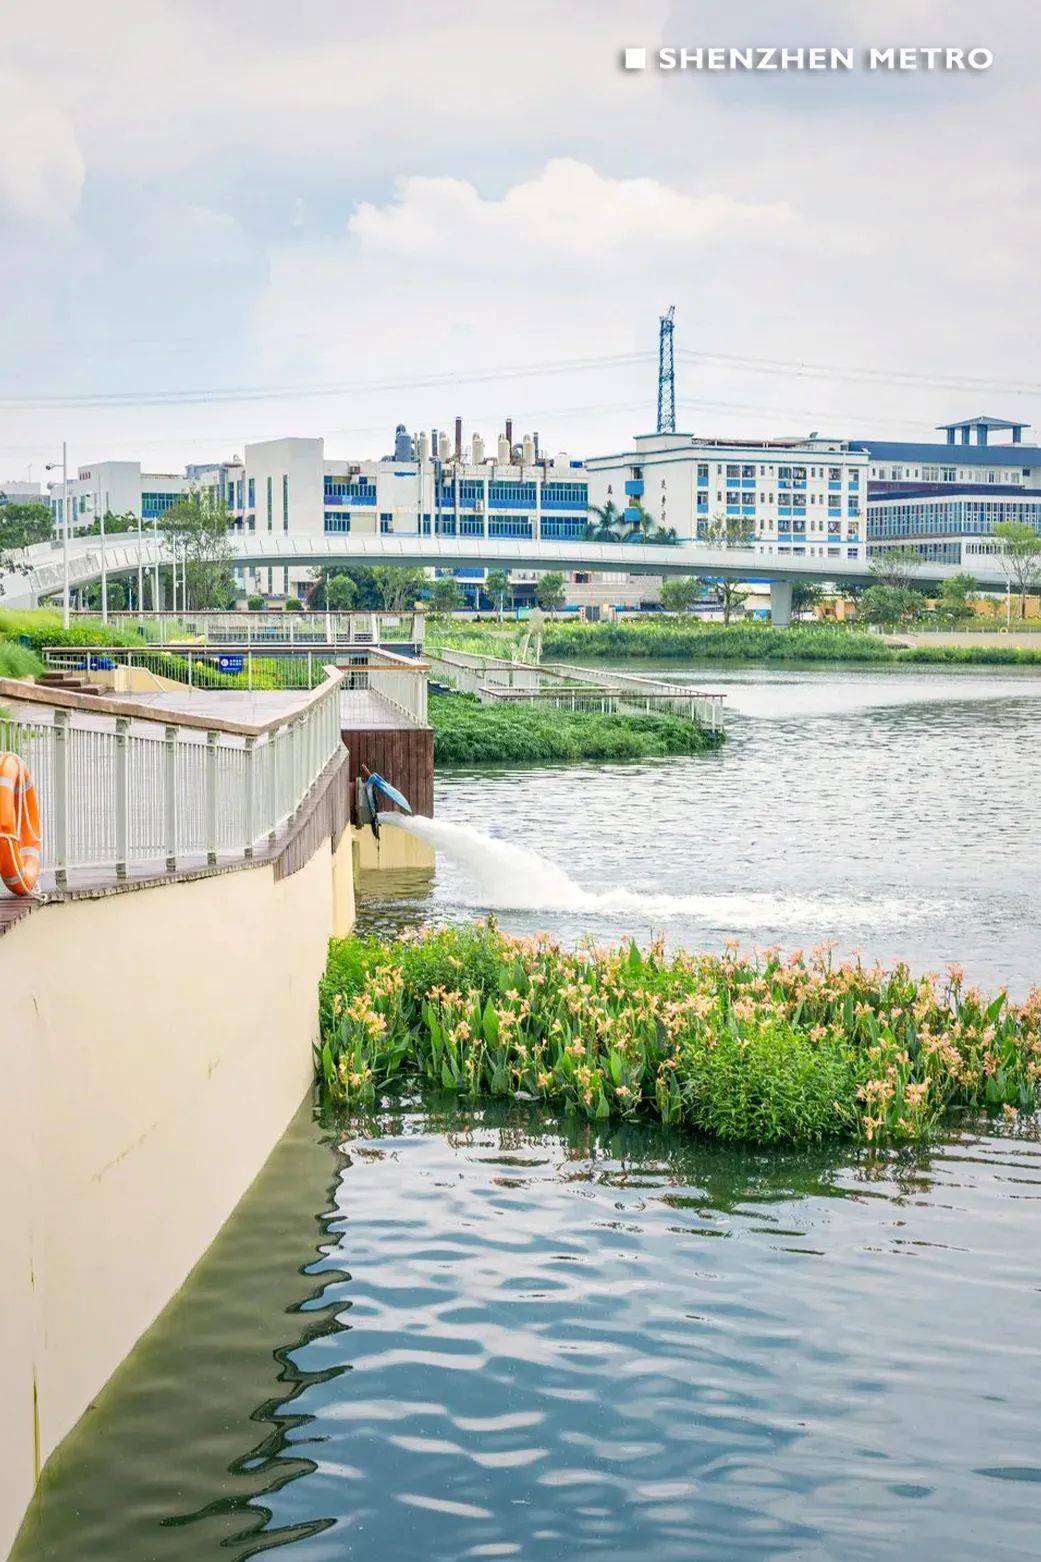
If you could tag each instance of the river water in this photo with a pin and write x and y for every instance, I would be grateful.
(890, 811)
(498, 1333)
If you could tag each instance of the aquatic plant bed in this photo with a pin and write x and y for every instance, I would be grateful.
(759, 1050)
(469, 733)
(690, 640)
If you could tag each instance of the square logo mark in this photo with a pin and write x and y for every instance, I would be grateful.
(635, 59)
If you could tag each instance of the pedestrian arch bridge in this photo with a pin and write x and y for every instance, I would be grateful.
(41, 572)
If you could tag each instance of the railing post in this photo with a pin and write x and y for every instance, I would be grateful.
(170, 795)
(190, 665)
(61, 798)
(248, 791)
(249, 670)
(212, 738)
(122, 798)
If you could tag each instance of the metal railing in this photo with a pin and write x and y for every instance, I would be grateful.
(129, 788)
(400, 680)
(268, 628)
(573, 688)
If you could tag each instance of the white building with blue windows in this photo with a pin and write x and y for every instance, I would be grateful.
(798, 496)
(945, 499)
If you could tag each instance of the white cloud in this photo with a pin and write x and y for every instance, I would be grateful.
(41, 164)
(569, 212)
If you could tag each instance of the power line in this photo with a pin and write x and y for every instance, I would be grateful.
(244, 393)
(858, 375)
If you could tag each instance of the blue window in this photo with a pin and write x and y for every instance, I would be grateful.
(285, 501)
(361, 491)
(510, 525)
(386, 522)
(702, 473)
(503, 495)
(561, 496)
(564, 529)
(252, 491)
(337, 521)
(152, 505)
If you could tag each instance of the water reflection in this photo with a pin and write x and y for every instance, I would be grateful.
(526, 1336)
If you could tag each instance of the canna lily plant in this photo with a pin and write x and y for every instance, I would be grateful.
(746, 1048)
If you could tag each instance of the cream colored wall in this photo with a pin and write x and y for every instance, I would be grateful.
(155, 1044)
(394, 849)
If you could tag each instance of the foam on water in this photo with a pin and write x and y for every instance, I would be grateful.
(507, 877)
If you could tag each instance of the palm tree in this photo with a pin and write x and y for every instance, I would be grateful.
(609, 525)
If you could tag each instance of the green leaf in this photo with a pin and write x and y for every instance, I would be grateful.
(490, 1025)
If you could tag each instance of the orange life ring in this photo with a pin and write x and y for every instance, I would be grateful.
(19, 826)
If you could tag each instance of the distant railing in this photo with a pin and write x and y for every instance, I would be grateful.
(557, 684)
(125, 787)
(401, 680)
(264, 628)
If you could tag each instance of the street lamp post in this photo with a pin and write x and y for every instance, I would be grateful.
(64, 529)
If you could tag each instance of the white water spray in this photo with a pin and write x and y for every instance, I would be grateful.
(507, 877)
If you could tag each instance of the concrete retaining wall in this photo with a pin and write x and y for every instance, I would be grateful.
(155, 1044)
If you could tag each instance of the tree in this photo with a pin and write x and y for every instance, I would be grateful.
(608, 524)
(896, 566)
(679, 594)
(729, 531)
(1019, 553)
(358, 578)
(954, 604)
(891, 607)
(397, 587)
(340, 594)
(549, 591)
(806, 595)
(446, 595)
(497, 585)
(21, 525)
(197, 529)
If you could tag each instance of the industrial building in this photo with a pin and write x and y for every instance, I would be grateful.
(805, 496)
(945, 499)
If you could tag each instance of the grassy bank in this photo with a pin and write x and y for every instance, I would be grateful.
(761, 1051)
(468, 733)
(16, 661)
(679, 639)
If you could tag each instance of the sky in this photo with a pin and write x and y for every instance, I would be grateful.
(226, 220)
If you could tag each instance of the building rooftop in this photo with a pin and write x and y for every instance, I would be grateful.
(954, 491)
(982, 455)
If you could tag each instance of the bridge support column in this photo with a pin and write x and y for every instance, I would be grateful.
(781, 603)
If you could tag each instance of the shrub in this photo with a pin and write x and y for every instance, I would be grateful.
(758, 1050)
(468, 733)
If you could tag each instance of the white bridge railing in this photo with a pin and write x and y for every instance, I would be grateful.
(129, 788)
(565, 687)
(400, 680)
(273, 629)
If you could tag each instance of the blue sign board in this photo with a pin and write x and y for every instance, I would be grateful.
(230, 664)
